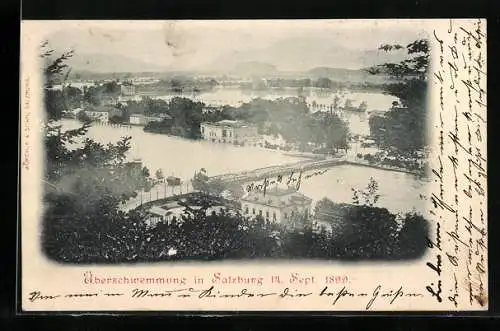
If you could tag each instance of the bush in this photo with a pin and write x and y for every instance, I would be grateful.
(413, 236)
(363, 233)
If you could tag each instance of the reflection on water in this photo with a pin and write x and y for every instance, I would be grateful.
(358, 122)
(399, 192)
(181, 157)
(234, 97)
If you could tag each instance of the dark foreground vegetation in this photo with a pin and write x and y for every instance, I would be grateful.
(101, 234)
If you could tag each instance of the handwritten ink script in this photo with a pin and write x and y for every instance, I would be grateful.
(459, 203)
(293, 179)
(334, 296)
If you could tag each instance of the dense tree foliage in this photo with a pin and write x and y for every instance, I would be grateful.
(370, 232)
(101, 93)
(178, 85)
(404, 126)
(364, 233)
(85, 180)
(201, 182)
(184, 116)
(289, 117)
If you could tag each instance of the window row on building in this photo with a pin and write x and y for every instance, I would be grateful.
(273, 214)
(235, 132)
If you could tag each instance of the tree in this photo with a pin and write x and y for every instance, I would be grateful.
(202, 183)
(187, 116)
(91, 180)
(413, 236)
(200, 180)
(369, 196)
(177, 85)
(83, 117)
(404, 127)
(93, 95)
(368, 233)
(159, 175)
(324, 83)
(111, 88)
(363, 106)
(72, 96)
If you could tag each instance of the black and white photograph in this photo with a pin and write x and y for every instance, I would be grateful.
(195, 142)
(287, 164)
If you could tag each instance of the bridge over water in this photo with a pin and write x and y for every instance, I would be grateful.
(274, 171)
(161, 191)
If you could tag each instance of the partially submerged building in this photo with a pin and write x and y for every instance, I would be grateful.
(100, 113)
(232, 132)
(141, 119)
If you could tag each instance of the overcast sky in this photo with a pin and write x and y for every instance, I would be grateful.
(191, 44)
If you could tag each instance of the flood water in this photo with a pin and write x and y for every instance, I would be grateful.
(399, 192)
(317, 100)
(182, 157)
(235, 97)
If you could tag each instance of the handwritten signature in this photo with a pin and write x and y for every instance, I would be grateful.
(293, 179)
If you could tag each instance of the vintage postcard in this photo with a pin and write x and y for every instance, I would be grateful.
(253, 165)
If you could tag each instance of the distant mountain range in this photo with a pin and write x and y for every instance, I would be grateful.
(319, 53)
(110, 63)
(303, 54)
(285, 58)
(247, 70)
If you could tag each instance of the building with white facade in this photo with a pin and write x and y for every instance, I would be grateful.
(100, 114)
(233, 132)
(136, 119)
(277, 205)
(141, 119)
(156, 118)
(127, 89)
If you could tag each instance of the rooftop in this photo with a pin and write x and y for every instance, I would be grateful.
(158, 211)
(233, 124)
(159, 115)
(277, 197)
(101, 109)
